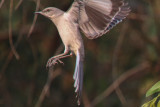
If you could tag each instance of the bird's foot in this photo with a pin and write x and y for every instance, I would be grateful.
(53, 61)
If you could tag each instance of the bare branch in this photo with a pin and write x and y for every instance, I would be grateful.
(2, 1)
(10, 54)
(35, 18)
(115, 62)
(156, 15)
(19, 3)
(144, 66)
(9, 58)
(85, 99)
(10, 31)
(51, 75)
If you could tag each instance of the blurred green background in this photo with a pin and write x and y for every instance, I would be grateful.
(128, 56)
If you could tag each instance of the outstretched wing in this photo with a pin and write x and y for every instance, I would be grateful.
(97, 17)
(78, 12)
(103, 15)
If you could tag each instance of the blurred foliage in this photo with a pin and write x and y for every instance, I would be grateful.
(155, 102)
(153, 89)
(131, 46)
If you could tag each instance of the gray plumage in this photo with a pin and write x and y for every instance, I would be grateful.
(94, 18)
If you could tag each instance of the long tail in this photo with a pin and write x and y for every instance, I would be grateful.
(78, 77)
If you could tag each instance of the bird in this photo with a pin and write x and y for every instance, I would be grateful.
(93, 18)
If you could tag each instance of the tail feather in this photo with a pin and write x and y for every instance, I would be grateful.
(78, 77)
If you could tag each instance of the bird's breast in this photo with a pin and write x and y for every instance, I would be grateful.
(70, 34)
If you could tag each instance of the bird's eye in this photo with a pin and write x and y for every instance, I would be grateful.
(46, 11)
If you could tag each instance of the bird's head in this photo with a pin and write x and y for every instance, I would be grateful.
(50, 12)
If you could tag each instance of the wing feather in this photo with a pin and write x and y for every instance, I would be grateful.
(97, 17)
(103, 15)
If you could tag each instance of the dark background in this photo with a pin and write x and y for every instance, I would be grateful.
(119, 67)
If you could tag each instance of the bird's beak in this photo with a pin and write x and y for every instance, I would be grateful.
(38, 12)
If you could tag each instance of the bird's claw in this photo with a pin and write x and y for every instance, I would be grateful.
(52, 62)
(60, 61)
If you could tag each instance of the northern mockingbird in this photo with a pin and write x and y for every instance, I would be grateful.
(94, 18)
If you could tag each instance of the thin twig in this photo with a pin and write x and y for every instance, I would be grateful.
(142, 67)
(51, 75)
(115, 63)
(156, 16)
(18, 4)
(2, 1)
(85, 99)
(148, 40)
(35, 69)
(34, 19)
(10, 56)
(4, 67)
(10, 31)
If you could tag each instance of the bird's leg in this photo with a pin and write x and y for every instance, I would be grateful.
(53, 60)
(63, 57)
